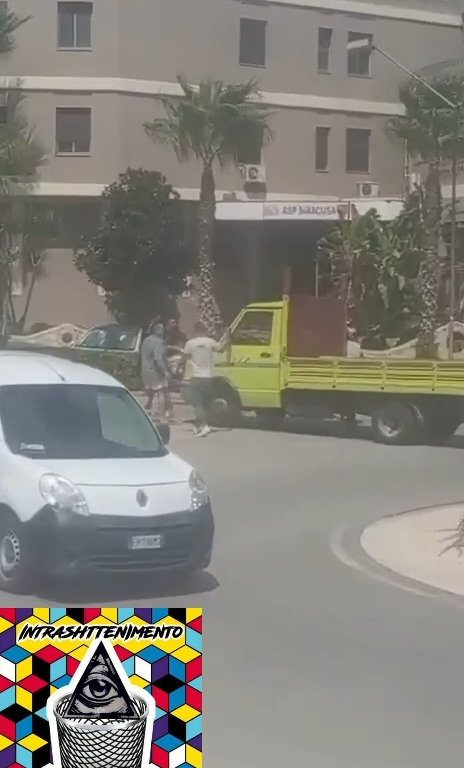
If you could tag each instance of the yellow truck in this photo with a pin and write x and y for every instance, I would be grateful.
(288, 358)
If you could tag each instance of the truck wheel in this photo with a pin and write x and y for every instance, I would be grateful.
(439, 424)
(14, 570)
(224, 408)
(394, 424)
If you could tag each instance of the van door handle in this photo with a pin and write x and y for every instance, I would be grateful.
(265, 354)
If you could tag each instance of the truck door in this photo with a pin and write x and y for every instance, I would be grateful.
(253, 361)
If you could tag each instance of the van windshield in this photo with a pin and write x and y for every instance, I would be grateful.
(66, 421)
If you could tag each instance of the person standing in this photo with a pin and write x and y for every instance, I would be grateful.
(173, 335)
(155, 373)
(200, 351)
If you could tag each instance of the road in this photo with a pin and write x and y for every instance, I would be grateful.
(309, 661)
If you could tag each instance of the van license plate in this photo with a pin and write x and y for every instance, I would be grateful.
(146, 542)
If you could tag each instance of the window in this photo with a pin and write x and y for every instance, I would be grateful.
(251, 149)
(359, 60)
(323, 49)
(357, 150)
(253, 42)
(75, 422)
(322, 148)
(254, 329)
(124, 424)
(72, 130)
(75, 25)
(111, 337)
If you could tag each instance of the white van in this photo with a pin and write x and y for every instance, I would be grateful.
(86, 482)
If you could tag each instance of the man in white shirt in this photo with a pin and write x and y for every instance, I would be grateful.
(200, 351)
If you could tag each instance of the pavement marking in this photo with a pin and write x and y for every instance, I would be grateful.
(369, 569)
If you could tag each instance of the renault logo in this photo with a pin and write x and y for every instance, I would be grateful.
(142, 498)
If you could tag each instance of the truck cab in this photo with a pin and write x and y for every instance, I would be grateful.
(251, 365)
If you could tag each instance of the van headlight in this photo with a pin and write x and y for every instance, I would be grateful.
(199, 495)
(62, 495)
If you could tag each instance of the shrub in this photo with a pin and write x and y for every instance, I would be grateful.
(123, 368)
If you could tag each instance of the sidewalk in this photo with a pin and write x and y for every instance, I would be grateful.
(410, 544)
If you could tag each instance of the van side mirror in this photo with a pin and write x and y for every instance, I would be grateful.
(164, 431)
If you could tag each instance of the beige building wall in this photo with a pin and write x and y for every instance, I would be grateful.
(154, 40)
(140, 46)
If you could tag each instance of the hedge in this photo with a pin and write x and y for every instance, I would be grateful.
(122, 367)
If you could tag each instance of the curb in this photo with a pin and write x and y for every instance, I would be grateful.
(346, 547)
(413, 546)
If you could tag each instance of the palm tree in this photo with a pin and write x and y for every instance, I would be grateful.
(9, 24)
(211, 123)
(20, 157)
(430, 130)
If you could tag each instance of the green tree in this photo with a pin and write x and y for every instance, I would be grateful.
(211, 123)
(34, 222)
(20, 157)
(431, 131)
(138, 255)
(9, 24)
(375, 267)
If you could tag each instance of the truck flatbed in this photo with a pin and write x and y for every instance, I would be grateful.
(370, 375)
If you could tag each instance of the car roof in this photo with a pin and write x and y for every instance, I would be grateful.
(114, 327)
(19, 368)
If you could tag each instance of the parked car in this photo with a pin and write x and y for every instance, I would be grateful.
(87, 484)
(120, 340)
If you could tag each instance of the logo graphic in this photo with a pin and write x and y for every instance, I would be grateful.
(100, 720)
(50, 654)
(142, 498)
(100, 692)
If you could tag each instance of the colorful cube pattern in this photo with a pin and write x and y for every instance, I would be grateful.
(171, 671)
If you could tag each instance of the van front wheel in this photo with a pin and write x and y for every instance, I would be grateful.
(14, 571)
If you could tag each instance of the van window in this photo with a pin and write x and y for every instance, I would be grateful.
(123, 424)
(254, 329)
(59, 421)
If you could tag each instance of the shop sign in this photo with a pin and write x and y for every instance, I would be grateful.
(315, 211)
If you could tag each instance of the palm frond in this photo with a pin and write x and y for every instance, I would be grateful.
(9, 24)
(212, 121)
(429, 126)
(21, 154)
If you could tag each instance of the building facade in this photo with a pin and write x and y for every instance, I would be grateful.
(94, 72)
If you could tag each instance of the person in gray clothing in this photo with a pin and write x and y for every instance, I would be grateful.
(155, 373)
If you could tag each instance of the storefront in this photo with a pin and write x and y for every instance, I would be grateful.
(256, 241)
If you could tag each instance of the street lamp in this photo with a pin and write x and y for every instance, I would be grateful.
(366, 44)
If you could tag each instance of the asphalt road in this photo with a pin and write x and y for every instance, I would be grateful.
(307, 660)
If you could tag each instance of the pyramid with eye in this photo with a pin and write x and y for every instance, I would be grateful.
(100, 692)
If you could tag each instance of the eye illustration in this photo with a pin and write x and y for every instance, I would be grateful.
(100, 693)
(99, 688)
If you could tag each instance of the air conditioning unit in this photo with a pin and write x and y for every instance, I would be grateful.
(254, 174)
(368, 189)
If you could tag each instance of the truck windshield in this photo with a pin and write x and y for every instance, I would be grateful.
(62, 421)
(111, 337)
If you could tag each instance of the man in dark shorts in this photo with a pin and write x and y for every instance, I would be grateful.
(200, 351)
